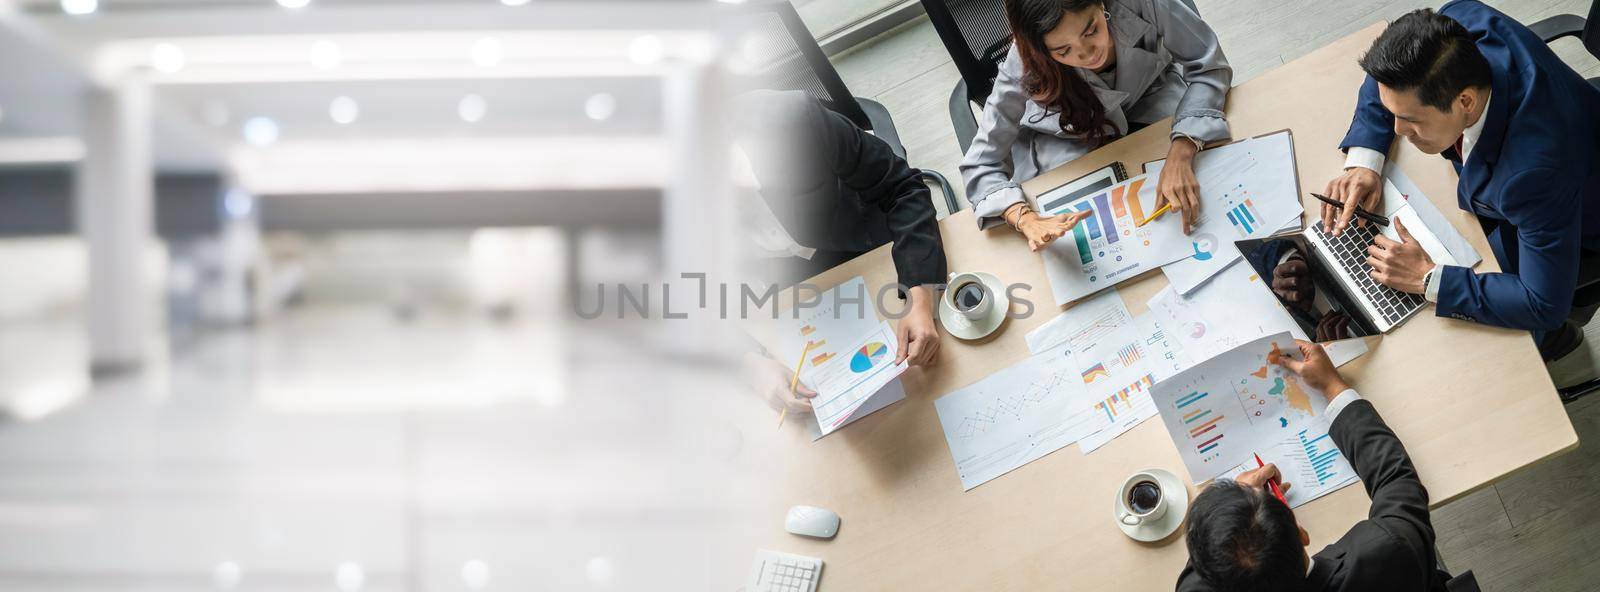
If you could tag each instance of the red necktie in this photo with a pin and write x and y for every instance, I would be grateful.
(1459, 156)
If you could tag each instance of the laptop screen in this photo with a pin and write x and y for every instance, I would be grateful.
(1312, 293)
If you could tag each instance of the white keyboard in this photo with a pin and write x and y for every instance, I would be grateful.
(783, 572)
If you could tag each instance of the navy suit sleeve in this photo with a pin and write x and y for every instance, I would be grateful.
(1549, 241)
(1373, 125)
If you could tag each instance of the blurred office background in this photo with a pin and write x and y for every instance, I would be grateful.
(287, 294)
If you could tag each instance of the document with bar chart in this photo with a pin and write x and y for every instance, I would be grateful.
(1015, 416)
(1225, 410)
(1118, 373)
(1109, 246)
(1248, 189)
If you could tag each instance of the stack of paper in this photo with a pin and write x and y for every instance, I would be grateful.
(1248, 189)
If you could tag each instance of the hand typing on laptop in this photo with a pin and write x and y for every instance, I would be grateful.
(1402, 265)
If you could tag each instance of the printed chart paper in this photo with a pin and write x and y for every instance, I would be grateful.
(1118, 372)
(843, 365)
(1222, 412)
(845, 378)
(1015, 416)
(1082, 325)
(1107, 247)
(1248, 189)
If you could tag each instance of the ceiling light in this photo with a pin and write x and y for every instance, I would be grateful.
(475, 574)
(325, 55)
(293, 3)
(260, 131)
(486, 52)
(79, 7)
(472, 108)
(645, 49)
(226, 575)
(344, 110)
(166, 57)
(349, 576)
(602, 570)
(600, 106)
(513, 2)
(238, 204)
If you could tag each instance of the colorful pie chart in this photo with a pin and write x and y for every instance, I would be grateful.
(868, 356)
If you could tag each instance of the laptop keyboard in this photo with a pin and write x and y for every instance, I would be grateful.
(1350, 250)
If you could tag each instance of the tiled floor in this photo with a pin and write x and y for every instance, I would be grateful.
(339, 446)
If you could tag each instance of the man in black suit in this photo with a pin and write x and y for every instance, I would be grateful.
(1242, 538)
(829, 192)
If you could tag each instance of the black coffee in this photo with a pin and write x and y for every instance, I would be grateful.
(1144, 496)
(969, 296)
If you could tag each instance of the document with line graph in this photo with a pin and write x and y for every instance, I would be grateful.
(1015, 416)
(1225, 410)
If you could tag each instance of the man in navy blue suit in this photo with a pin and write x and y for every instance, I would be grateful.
(1519, 125)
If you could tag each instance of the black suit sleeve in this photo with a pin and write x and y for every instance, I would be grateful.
(868, 166)
(1399, 501)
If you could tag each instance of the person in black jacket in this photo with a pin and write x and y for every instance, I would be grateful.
(1242, 538)
(829, 192)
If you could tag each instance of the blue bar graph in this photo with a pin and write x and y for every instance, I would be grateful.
(1090, 222)
(1190, 398)
(1243, 217)
(1322, 461)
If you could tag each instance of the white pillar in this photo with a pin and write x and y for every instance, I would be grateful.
(116, 183)
(698, 217)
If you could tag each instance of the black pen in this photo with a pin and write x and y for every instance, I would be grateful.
(1362, 213)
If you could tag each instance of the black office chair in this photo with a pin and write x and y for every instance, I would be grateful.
(1572, 25)
(1586, 30)
(977, 37)
(789, 58)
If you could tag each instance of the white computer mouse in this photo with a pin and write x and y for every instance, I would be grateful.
(812, 521)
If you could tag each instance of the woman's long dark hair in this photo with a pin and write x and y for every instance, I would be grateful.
(1055, 86)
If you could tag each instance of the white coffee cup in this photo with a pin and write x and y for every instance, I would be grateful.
(964, 280)
(1147, 511)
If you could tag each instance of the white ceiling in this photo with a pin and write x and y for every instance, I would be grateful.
(406, 63)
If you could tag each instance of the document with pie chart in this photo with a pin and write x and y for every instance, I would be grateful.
(847, 375)
(1224, 411)
(849, 353)
(1248, 189)
(1109, 246)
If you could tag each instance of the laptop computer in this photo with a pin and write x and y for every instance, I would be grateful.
(1335, 296)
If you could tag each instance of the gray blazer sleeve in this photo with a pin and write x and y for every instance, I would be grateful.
(1198, 55)
(987, 168)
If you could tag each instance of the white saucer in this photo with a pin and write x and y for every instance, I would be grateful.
(963, 328)
(1177, 508)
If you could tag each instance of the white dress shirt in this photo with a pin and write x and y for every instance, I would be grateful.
(1358, 156)
(1339, 402)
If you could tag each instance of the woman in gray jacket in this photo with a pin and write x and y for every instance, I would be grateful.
(1079, 74)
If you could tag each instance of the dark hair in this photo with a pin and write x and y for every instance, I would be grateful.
(1048, 82)
(1244, 540)
(1430, 53)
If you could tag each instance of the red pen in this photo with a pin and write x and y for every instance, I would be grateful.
(1273, 484)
